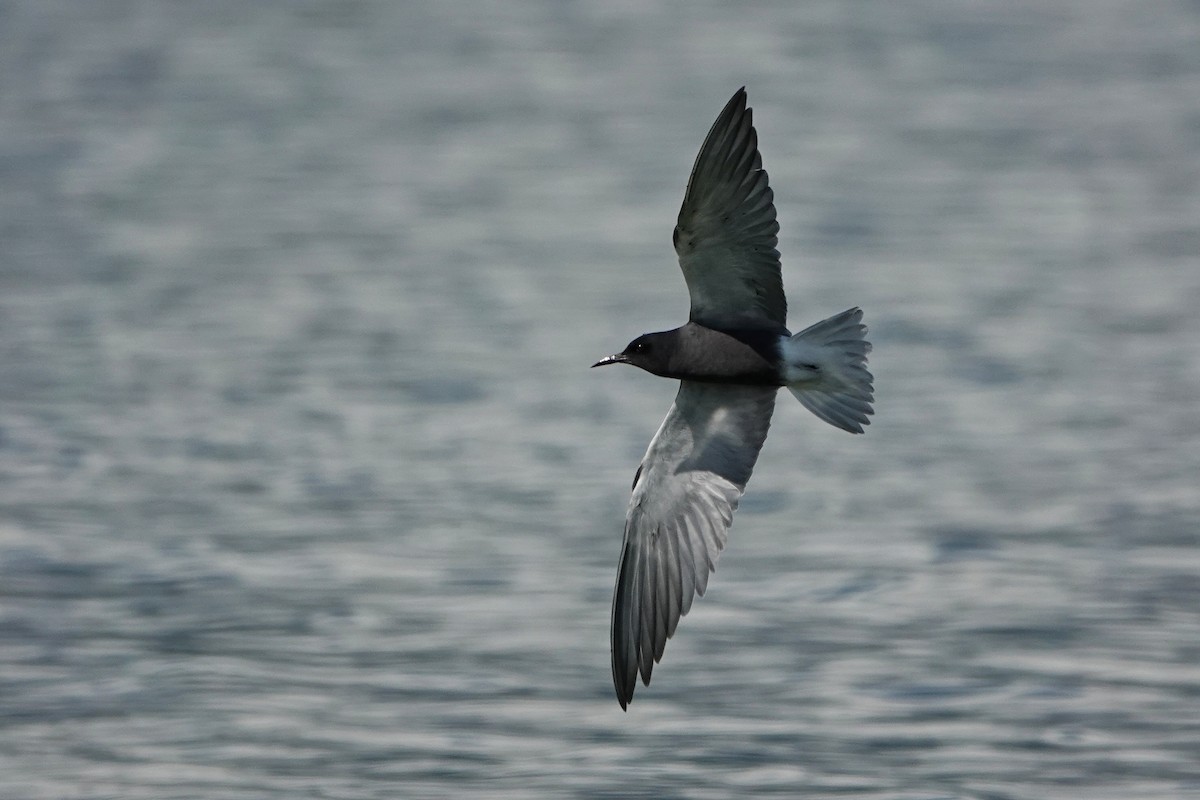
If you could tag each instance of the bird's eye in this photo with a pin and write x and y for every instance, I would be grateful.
(640, 347)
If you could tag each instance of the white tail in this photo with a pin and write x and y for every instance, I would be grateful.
(825, 367)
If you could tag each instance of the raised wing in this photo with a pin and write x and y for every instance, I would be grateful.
(727, 233)
(684, 496)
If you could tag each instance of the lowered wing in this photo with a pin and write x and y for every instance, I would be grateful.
(684, 496)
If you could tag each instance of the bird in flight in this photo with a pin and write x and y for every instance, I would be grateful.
(730, 359)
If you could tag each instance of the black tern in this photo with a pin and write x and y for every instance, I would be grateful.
(730, 359)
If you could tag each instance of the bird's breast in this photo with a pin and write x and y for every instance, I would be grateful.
(748, 358)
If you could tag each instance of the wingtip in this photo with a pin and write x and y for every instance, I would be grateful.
(737, 101)
(624, 693)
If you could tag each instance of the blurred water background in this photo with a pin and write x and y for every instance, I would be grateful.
(306, 489)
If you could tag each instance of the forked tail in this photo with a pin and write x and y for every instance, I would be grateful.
(826, 368)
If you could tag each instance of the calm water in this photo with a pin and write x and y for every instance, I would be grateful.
(306, 489)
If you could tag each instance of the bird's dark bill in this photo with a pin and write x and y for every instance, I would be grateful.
(619, 358)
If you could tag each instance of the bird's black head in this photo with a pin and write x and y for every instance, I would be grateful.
(650, 351)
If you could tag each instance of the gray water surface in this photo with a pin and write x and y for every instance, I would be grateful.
(306, 489)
